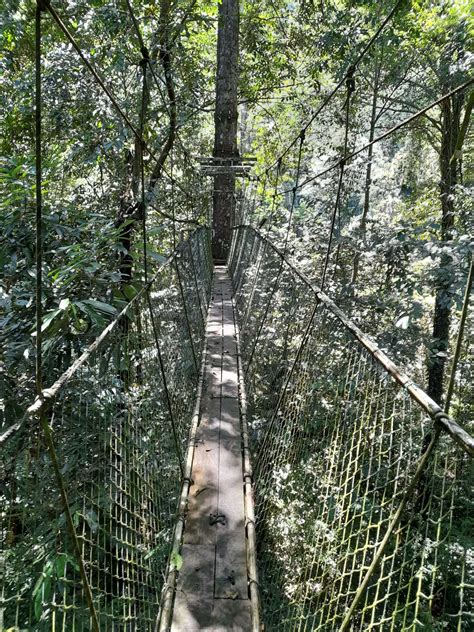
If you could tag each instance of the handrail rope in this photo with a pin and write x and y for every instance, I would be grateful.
(275, 284)
(43, 420)
(145, 266)
(100, 82)
(51, 392)
(346, 75)
(463, 438)
(389, 132)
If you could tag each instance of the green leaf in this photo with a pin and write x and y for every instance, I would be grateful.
(176, 560)
(101, 306)
(130, 291)
(48, 318)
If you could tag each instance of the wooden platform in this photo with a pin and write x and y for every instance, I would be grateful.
(212, 586)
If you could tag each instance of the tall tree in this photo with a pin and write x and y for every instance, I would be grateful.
(225, 119)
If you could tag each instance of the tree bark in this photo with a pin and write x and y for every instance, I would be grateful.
(225, 119)
(450, 128)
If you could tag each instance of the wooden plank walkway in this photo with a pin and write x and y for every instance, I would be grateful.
(212, 586)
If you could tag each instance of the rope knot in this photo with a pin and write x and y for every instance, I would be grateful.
(42, 4)
(302, 135)
(145, 53)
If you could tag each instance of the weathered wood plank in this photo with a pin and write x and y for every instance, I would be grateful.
(231, 571)
(230, 419)
(203, 493)
(212, 615)
(212, 588)
(196, 575)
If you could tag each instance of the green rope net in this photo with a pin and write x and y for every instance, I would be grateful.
(120, 427)
(337, 445)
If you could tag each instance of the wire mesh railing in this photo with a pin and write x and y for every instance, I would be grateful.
(119, 421)
(361, 481)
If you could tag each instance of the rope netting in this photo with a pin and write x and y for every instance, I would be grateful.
(119, 422)
(362, 496)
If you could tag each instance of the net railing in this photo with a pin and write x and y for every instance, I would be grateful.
(119, 422)
(362, 484)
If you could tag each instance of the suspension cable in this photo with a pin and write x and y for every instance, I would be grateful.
(277, 278)
(350, 84)
(347, 74)
(386, 134)
(42, 416)
(104, 88)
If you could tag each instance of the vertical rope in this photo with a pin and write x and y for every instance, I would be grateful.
(350, 89)
(39, 201)
(277, 279)
(140, 147)
(264, 247)
(459, 339)
(43, 419)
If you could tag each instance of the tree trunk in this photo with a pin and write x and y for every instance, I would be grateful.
(450, 127)
(225, 119)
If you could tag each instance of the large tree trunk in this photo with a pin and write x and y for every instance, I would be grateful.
(450, 126)
(225, 118)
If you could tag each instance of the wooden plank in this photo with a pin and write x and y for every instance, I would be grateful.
(231, 496)
(196, 575)
(215, 380)
(234, 615)
(203, 493)
(229, 419)
(231, 580)
(229, 382)
(192, 613)
(229, 345)
(229, 363)
(212, 615)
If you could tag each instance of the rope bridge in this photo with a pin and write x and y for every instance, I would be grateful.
(358, 487)
(360, 480)
(118, 449)
(359, 483)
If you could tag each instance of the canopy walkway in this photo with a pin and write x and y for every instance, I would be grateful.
(355, 483)
(232, 453)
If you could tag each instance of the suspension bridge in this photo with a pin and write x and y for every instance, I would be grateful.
(232, 453)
